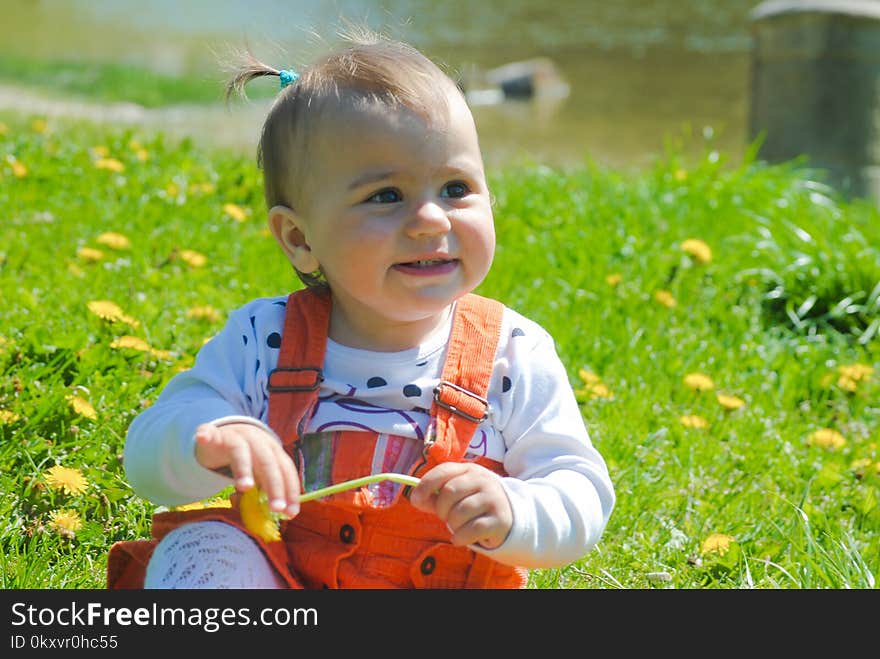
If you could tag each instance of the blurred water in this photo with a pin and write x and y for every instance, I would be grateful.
(640, 72)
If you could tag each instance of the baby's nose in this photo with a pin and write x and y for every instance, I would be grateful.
(429, 217)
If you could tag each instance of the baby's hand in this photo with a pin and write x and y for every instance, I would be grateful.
(253, 457)
(470, 499)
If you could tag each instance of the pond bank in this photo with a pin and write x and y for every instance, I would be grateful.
(234, 127)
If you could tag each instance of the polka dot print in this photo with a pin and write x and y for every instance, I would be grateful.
(412, 391)
(274, 340)
(376, 381)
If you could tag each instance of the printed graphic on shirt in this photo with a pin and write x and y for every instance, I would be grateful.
(331, 457)
(335, 412)
(347, 412)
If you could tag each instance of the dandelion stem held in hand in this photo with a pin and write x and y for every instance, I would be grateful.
(358, 482)
(258, 519)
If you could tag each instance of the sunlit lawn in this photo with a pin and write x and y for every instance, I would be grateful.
(719, 322)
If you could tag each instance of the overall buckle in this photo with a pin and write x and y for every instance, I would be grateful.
(306, 378)
(456, 409)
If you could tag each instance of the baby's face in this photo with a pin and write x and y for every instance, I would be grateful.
(398, 215)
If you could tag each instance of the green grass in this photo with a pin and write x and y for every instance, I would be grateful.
(790, 296)
(108, 82)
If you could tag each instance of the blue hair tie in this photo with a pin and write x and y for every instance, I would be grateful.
(287, 77)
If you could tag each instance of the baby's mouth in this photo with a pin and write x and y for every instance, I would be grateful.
(425, 263)
(427, 267)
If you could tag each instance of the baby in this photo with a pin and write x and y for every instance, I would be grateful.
(384, 362)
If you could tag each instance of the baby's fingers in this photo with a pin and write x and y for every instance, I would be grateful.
(226, 453)
(277, 477)
(250, 456)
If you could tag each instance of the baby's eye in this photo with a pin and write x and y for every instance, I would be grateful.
(386, 196)
(456, 190)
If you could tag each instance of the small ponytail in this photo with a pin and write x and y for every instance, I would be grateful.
(248, 68)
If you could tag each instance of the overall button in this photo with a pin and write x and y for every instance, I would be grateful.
(346, 533)
(428, 565)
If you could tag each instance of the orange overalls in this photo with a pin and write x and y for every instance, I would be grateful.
(345, 540)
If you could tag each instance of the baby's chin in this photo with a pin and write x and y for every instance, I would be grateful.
(430, 302)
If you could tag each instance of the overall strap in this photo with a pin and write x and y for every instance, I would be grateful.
(460, 398)
(460, 402)
(293, 385)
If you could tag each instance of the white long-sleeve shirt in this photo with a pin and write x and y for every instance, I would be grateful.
(557, 482)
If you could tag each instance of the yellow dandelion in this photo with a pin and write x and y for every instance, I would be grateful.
(82, 407)
(99, 151)
(75, 270)
(131, 342)
(203, 312)
(257, 517)
(65, 522)
(614, 279)
(172, 190)
(114, 240)
(235, 211)
(18, 168)
(195, 505)
(693, 421)
(193, 258)
(680, 175)
(71, 481)
(201, 505)
(161, 354)
(90, 254)
(855, 372)
(588, 377)
(3, 128)
(110, 311)
(847, 384)
(39, 126)
(717, 542)
(665, 298)
(110, 164)
(697, 249)
(8, 416)
(139, 151)
(600, 390)
(105, 309)
(730, 402)
(698, 382)
(826, 438)
(202, 188)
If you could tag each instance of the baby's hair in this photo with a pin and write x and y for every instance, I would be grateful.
(369, 71)
(249, 67)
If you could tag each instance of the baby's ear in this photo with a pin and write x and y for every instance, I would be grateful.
(289, 230)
